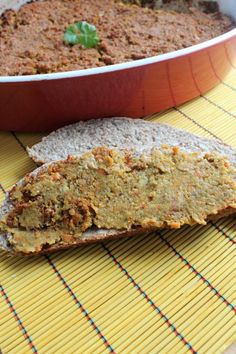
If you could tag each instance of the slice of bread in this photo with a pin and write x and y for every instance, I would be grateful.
(120, 133)
(106, 194)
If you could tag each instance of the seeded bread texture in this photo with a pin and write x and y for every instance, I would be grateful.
(122, 133)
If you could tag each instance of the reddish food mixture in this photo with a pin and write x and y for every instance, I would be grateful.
(31, 39)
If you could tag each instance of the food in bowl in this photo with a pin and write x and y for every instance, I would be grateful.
(32, 39)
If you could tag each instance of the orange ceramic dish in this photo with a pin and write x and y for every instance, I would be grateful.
(134, 89)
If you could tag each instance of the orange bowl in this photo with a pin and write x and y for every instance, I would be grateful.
(134, 89)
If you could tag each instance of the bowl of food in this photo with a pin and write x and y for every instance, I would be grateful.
(74, 60)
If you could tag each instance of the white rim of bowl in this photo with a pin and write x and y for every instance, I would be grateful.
(122, 66)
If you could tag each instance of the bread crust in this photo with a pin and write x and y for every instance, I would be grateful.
(143, 136)
(104, 235)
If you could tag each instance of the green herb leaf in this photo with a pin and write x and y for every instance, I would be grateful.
(81, 33)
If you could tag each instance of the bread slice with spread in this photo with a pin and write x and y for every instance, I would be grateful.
(107, 193)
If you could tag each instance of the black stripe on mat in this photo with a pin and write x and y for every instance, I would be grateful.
(196, 123)
(150, 301)
(219, 107)
(199, 275)
(142, 292)
(220, 81)
(19, 141)
(16, 316)
(231, 240)
(227, 85)
(80, 305)
(68, 288)
(2, 189)
(212, 134)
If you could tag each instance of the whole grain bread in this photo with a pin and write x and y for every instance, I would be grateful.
(121, 133)
(91, 236)
(95, 234)
(118, 133)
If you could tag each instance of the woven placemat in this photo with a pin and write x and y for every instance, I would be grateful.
(169, 292)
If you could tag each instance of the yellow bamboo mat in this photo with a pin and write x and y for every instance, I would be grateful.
(169, 292)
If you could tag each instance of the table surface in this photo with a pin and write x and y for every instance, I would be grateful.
(167, 292)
